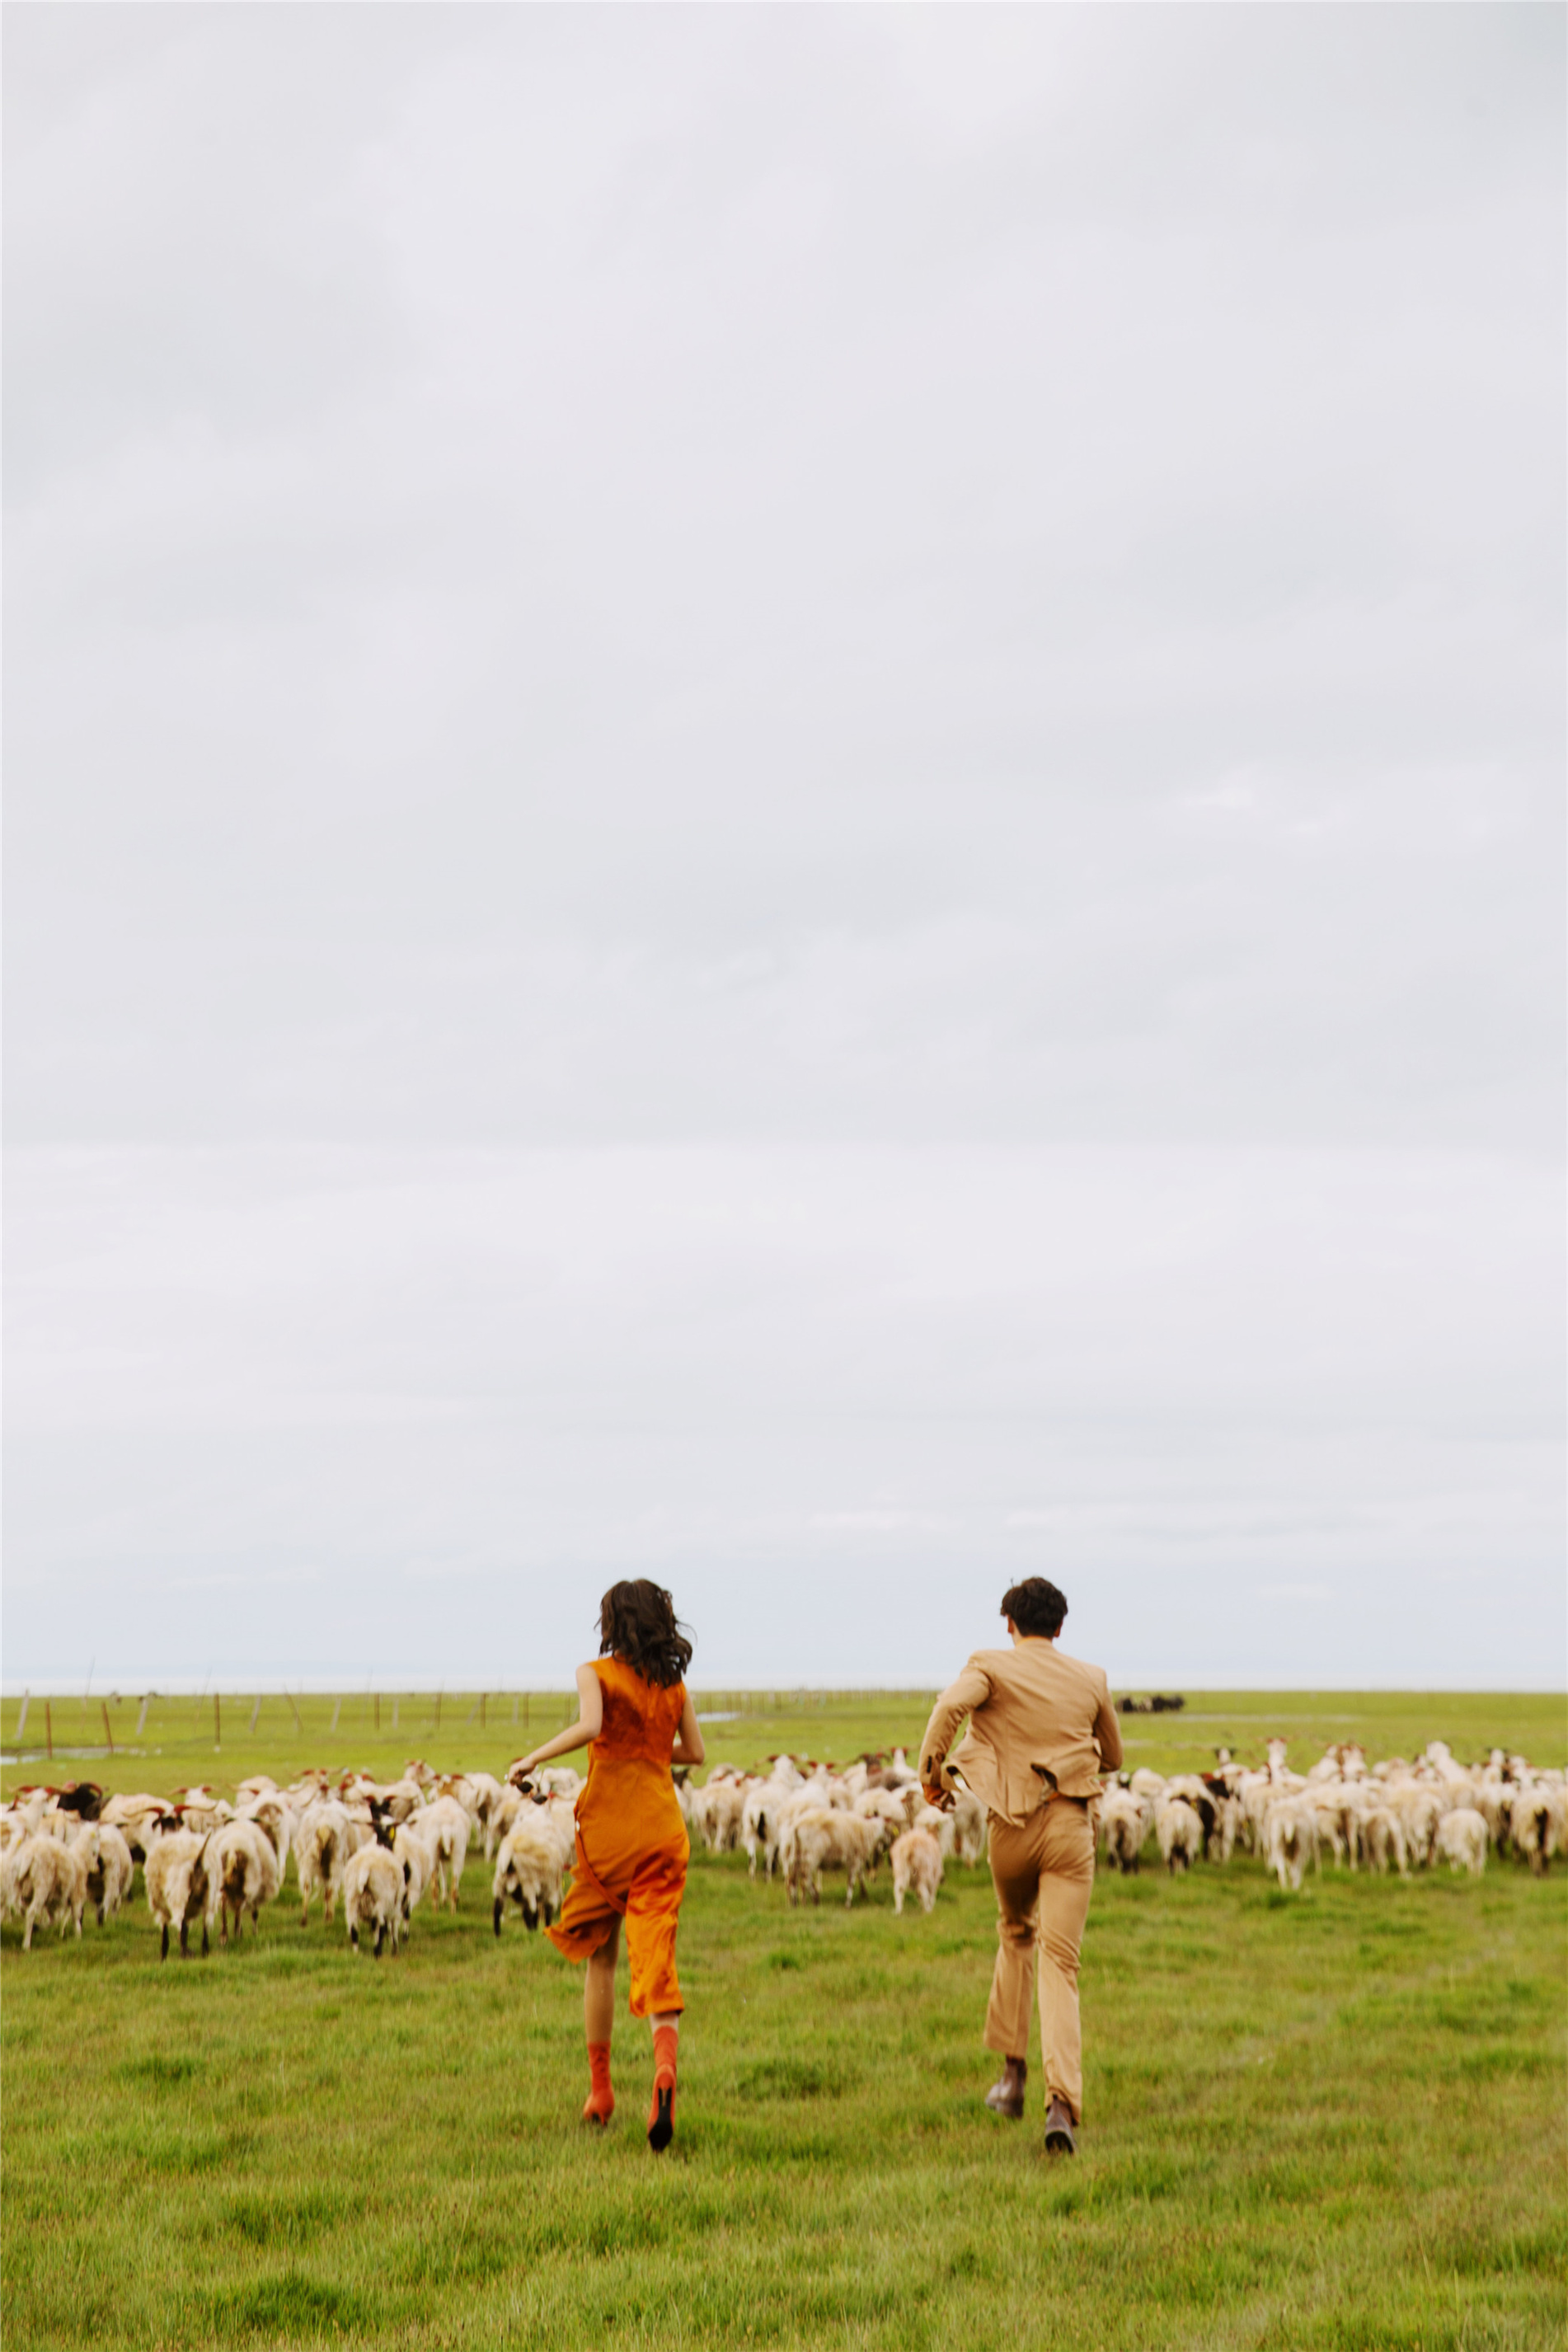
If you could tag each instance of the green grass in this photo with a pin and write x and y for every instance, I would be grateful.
(1333, 2122)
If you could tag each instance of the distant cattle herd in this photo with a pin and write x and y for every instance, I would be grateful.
(382, 1848)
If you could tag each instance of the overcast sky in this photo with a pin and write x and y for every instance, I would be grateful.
(785, 809)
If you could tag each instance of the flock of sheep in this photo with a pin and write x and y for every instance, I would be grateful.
(379, 1849)
(1395, 1814)
(804, 1819)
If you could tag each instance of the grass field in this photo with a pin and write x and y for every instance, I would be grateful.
(1336, 2121)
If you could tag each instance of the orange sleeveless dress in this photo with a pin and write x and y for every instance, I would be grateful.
(632, 1846)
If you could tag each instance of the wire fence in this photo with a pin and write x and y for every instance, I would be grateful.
(108, 1724)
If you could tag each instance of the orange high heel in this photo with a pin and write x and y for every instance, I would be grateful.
(600, 2103)
(661, 2115)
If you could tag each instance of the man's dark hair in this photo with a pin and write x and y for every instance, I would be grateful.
(1035, 1607)
(637, 1622)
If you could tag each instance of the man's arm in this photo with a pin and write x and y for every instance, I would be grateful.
(972, 1689)
(1107, 1732)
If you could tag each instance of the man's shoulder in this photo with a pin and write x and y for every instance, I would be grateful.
(1046, 1658)
(1091, 1674)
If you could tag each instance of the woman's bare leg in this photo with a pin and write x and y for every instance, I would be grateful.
(599, 1986)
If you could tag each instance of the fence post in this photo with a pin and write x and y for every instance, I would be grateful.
(255, 1712)
(107, 1733)
(49, 1730)
(22, 1719)
(337, 1710)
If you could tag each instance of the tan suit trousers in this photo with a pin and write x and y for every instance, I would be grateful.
(1044, 1875)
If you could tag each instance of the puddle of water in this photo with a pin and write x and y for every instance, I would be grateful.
(63, 1755)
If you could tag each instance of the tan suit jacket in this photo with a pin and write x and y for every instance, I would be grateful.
(1039, 1722)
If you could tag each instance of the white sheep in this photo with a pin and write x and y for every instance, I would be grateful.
(140, 1817)
(374, 1891)
(1534, 1825)
(110, 1868)
(722, 1803)
(529, 1868)
(274, 1816)
(1124, 1821)
(917, 1862)
(760, 1824)
(1292, 1840)
(445, 1828)
(1180, 1830)
(176, 1877)
(411, 1846)
(43, 1879)
(324, 1840)
(942, 1826)
(1382, 1839)
(243, 1873)
(971, 1831)
(489, 1793)
(202, 1809)
(827, 1838)
(1461, 1840)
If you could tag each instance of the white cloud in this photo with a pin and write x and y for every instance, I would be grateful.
(784, 798)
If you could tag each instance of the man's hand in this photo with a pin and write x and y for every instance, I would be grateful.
(935, 1794)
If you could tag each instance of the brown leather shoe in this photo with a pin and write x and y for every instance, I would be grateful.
(1061, 2137)
(1005, 2096)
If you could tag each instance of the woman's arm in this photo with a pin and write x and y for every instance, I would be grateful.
(589, 1724)
(689, 1747)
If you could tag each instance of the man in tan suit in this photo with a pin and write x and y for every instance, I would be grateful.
(1041, 1731)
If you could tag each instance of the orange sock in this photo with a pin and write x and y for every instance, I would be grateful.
(600, 2103)
(661, 2115)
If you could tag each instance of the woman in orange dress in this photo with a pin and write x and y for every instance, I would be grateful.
(630, 1863)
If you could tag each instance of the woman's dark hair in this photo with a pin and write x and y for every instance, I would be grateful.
(637, 1621)
(1035, 1607)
